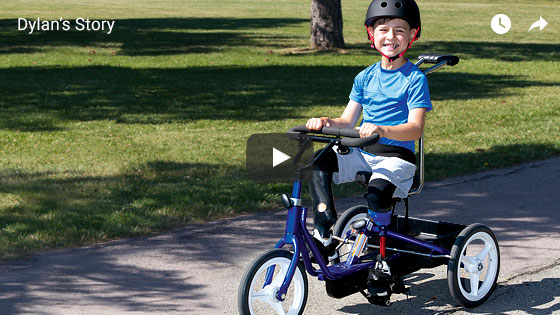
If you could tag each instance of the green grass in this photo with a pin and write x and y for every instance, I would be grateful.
(107, 136)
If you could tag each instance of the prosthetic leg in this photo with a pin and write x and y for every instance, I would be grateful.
(380, 279)
(324, 212)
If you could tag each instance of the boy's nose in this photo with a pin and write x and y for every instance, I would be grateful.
(391, 33)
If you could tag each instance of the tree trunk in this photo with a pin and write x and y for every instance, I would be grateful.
(326, 24)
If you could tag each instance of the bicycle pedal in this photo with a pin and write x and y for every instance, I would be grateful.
(381, 301)
(399, 288)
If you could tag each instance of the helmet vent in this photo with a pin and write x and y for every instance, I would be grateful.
(383, 4)
(398, 5)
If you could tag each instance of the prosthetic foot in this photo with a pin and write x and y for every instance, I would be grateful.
(327, 247)
(380, 283)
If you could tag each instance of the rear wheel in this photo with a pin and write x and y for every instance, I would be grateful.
(258, 296)
(344, 224)
(474, 266)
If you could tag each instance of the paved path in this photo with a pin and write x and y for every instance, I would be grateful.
(196, 270)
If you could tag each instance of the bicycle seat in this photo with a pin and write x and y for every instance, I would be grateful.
(363, 177)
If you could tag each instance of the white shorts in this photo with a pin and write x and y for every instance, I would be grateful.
(393, 169)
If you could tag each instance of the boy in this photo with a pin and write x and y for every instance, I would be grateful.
(393, 97)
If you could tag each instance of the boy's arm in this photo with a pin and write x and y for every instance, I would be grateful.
(412, 130)
(348, 118)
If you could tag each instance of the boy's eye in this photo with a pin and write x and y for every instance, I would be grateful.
(386, 29)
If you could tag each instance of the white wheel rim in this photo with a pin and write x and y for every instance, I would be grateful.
(482, 263)
(263, 300)
(345, 249)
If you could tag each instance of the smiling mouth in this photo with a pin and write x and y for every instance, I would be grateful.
(391, 46)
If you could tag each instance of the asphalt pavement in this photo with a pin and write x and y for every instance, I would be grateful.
(197, 269)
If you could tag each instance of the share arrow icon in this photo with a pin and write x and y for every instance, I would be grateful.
(541, 23)
(278, 157)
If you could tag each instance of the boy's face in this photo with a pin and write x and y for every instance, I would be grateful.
(392, 37)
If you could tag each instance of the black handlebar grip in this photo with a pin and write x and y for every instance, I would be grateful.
(360, 142)
(451, 60)
(301, 128)
(332, 131)
(353, 135)
(295, 132)
(344, 132)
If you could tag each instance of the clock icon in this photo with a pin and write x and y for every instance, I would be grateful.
(500, 24)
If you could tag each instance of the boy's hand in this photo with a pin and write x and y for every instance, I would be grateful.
(317, 123)
(368, 129)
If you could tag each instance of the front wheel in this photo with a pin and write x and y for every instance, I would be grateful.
(344, 224)
(474, 265)
(263, 279)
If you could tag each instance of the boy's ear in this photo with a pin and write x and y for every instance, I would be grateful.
(412, 33)
(370, 32)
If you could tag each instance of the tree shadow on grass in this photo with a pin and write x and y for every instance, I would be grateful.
(42, 99)
(65, 209)
(167, 36)
(500, 51)
(465, 50)
(152, 37)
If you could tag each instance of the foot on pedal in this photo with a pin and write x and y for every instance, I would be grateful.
(327, 247)
(381, 271)
(379, 288)
(379, 283)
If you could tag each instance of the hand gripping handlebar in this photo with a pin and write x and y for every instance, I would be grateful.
(352, 136)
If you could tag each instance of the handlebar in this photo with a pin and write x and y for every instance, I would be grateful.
(352, 135)
(450, 60)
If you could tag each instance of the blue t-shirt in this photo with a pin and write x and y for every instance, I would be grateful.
(387, 96)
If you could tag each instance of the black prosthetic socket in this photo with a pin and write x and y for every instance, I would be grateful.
(380, 201)
(320, 186)
(380, 195)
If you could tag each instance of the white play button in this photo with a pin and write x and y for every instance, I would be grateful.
(270, 157)
(278, 157)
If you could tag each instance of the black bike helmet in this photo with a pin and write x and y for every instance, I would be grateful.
(403, 9)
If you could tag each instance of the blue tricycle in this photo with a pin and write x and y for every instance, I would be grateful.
(276, 281)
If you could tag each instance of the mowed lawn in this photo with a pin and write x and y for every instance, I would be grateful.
(143, 130)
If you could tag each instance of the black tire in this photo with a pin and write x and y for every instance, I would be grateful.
(343, 224)
(474, 266)
(251, 288)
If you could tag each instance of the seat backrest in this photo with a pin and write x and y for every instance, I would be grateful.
(418, 183)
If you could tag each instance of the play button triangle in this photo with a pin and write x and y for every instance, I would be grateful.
(278, 157)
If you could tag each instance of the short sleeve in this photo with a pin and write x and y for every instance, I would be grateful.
(419, 94)
(357, 93)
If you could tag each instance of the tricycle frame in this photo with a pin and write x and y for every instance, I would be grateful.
(297, 235)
